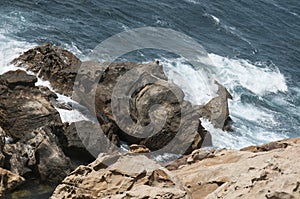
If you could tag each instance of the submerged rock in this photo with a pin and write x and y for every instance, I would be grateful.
(121, 176)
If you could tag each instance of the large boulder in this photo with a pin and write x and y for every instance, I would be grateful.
(121, 176)
(143, 107)
(23, 106)
(51, 63)
(270, 171)
(9, 181)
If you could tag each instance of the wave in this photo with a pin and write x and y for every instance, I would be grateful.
(10, 49)
(253, 121)
(214, 18)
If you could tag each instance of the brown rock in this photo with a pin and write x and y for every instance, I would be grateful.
(52, 63)
(133, 102)
(147, 108)
(37, 154)
(134, 148)
(267, 147)
(216, 110)
(243, 174)
(115, 176)
(30, 107)
(2, 143)
(9, 181)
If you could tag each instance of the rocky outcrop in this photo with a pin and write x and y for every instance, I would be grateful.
(9, 181)
(24, 107)
(133, 102)
(51, 63)
(216, 110)
(37, 154)
(273, 172)
(155, 107)
(116, 176)
(143, 107)
(28, 128)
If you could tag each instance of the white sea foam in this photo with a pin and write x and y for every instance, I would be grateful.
(253, 124)
(192, 1)
(258, 79)
(10, 49)
(214, 18)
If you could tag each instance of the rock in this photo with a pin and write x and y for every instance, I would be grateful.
(30, 107)
(2, 143)
(95, 138)
(195, 156)
(244, 174)
(135, 103)
(37, 154)
(134, 148)
(216, 110)
(52, 63)
(9, 181)
(117, 176)
(267, 147)
(145, 108)
(17, 78)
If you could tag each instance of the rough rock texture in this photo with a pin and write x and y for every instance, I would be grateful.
(116, 176)
(133, 102)
(143, 107)
(272, 173)
(216, 110)
(37, 154)
(9, 181)
(52, 63)
(134, 148)
(2, 143)
(32, 123)
(24, 107)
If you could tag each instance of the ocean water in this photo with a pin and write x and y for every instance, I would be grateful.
(254, 46)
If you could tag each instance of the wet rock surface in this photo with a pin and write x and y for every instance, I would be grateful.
(28, 124)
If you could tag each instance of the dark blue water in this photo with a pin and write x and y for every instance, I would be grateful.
(254, 44)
